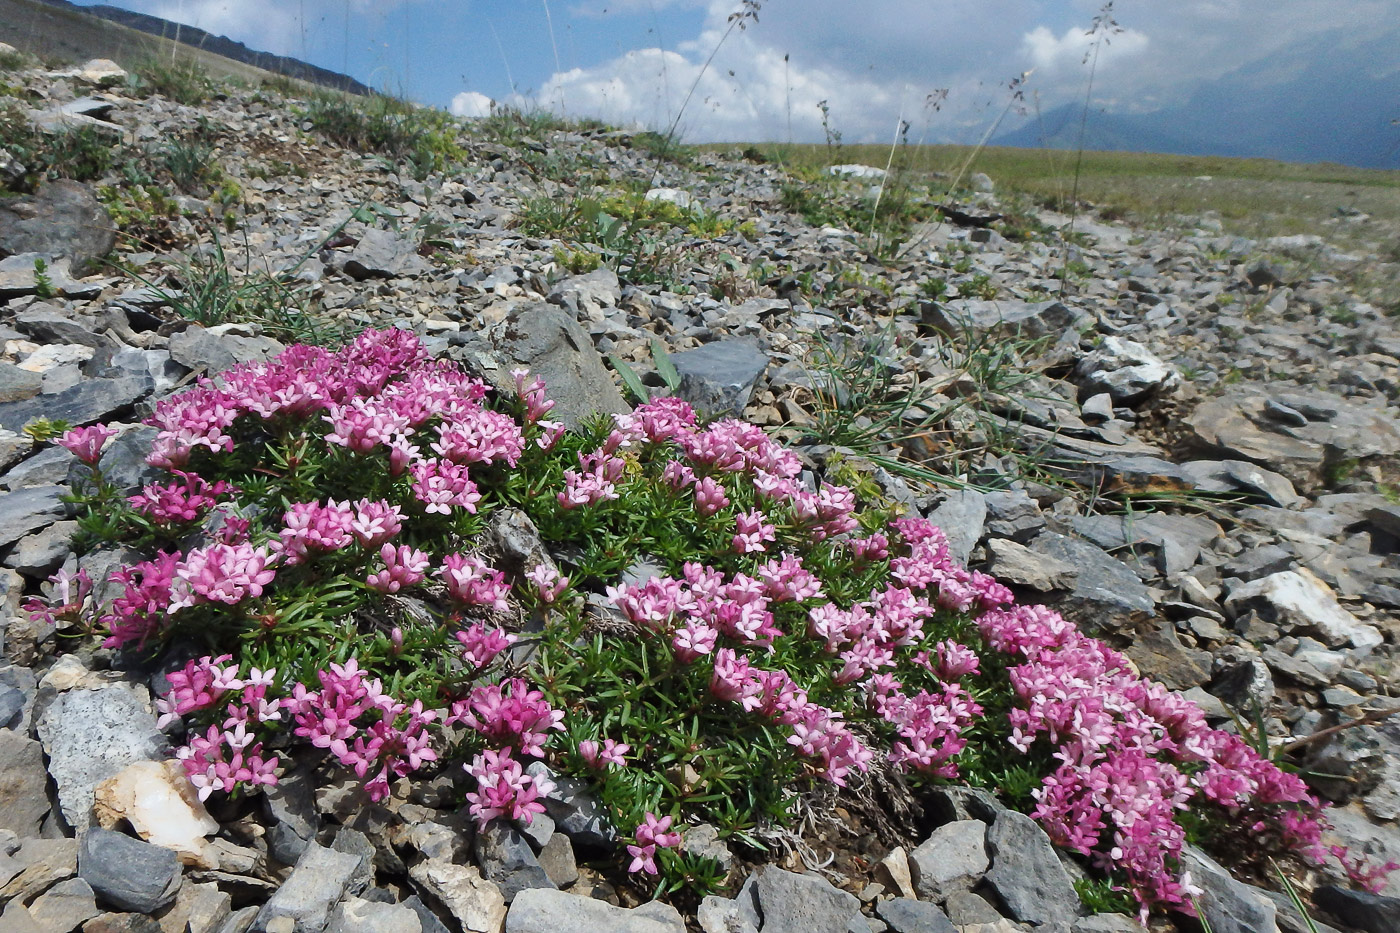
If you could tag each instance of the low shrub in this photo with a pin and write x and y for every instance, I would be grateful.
(703, 633)
(422, 136)
(182, 80)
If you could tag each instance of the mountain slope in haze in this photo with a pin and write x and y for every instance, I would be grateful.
(190, 36)
(1331, 98)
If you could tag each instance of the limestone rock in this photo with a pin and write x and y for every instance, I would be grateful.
(161, 805)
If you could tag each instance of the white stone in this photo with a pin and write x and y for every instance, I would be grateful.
(53, 355)
(100, 71)
(1299, 599)
(160, 804)
(676, 196)
(856, 171)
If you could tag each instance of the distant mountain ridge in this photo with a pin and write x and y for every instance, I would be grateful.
(1330, 98)
(220, 45)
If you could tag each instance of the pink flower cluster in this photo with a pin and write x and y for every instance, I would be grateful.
(226, 755)
(703, 607)
(180, 502)
(362, 726)
(509, 714)
(651, 835)
(503, 789)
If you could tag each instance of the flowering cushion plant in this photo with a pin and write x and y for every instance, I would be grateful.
(715, 632)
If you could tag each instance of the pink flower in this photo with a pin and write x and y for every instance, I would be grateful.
(86, 443)
(403, 566)
(472, 581)
(482, 644)
(609, 753)
(548, 583)
(223, 573)
(709, 497)
(753, 532)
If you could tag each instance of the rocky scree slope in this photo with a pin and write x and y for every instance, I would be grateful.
(1190, 451)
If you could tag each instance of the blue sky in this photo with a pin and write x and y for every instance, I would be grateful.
(873, 62)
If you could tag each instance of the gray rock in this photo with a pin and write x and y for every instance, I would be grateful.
(905, 915)
(1297, 599)
(85, 402)
(1241, 475)
(551, 345)
(123, 464)
(1027, 875)
(89, 736)
(65, 906)
(63, 218)
(953, 858)
(793, 903)
(575, 811)
(1013, 514)
(355, 915)
(460, 892)
(17, 384)
(1245, 686)
(722, 915)
(1373, 913)
(1228, 905)
(1255, 563)
(585, 295)
(507, 860)
(321, 878)
(952, 803)
(126, 873)
(48, 467)
(23, 780)
(1106, 595)
(206, 350)
(1159, 654)
(703, 840)
(1126, 370)
(39, 554)
(1007, 318)
(11, 705)
(384, 255)
(962, 516)
(290, 807)
(718, 378)
(46, 324)
(545, 910)
(25, 511)
(1337, 429)
(557, 859)
(966, 908)
(1018, 565)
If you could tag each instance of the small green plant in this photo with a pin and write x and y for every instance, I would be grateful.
(45, 429)
(423, 137)
(1103, 896)
(577, 261)
(189, 163)
(14, 61)
(980, 286)
(208, 290)
(183, 80)
(43, 285)
(933, 288)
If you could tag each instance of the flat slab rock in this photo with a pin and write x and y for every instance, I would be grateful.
(1253, 425)
(544, 910)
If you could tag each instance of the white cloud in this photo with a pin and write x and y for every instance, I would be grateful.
(1047, 52)
(471, 105)
(874, 60)
(265, 25)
